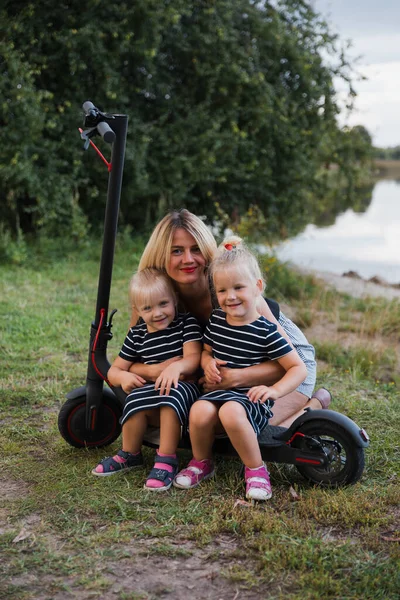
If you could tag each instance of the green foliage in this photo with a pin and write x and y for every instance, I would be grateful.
(229, 101)
(360, 361)
(12, 250)
(285, 284)
(392, 153)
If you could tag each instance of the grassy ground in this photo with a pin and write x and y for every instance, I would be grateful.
(66, 534)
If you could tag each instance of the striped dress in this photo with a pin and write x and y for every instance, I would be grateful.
(243, 346)
(153, 348)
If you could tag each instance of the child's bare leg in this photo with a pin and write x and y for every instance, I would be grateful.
(243, 438)
(289, 407)
(203, 424)
(129, 457)
(166, 462)
(133, 429)
(203, 421)
(170, 430)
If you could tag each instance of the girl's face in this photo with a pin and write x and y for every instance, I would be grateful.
(186, 263)
(159, 312)
(237, 294)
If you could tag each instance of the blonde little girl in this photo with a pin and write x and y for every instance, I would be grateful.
(237, 336)
(165, 337)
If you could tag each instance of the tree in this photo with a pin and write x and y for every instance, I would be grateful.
(229, 101)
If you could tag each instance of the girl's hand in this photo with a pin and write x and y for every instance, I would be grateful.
(262, 393)
(130, 381)
(211, 372)
(168, 378)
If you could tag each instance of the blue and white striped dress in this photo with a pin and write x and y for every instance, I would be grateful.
(243, 346)
(153, 348)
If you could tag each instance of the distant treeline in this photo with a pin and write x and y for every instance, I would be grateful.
(387, 153)
(230, 105)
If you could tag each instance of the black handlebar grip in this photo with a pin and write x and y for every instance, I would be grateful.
(106, 132)
(88, 106)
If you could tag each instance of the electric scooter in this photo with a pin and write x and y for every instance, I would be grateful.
(326, 447)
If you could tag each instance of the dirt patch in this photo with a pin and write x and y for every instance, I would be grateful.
(198, 573)
(150, 570)
(11, 489)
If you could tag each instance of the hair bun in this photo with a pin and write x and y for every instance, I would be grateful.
(231, 243)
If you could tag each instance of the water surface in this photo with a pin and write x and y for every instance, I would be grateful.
(368, 243)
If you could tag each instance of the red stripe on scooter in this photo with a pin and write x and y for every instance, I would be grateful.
(309, 461)
(93, 419)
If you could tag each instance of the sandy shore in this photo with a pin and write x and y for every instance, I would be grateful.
(355, 286)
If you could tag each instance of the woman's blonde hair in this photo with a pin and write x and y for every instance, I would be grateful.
(158, 249)
(233, 252)
(148, 283)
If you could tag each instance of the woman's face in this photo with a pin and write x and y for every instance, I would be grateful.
(186, 262)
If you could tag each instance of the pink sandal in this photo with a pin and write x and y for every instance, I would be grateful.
(196, 472)
(258, 485)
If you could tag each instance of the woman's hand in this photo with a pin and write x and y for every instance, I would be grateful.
(130, 381)
(262, 393)
(266, 373)
(152, 372)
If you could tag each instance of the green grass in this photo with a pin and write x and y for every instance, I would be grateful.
(83, 535)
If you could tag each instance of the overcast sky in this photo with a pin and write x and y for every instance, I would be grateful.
(374, 28)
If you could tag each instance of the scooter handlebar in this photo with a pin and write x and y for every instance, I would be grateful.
(88, 107)
(103, 127)
(106, 132)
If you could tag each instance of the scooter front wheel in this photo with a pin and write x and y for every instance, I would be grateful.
(344, 459)
(72, 423)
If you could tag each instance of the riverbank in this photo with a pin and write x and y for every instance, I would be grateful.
(387, 169)
(353, 284)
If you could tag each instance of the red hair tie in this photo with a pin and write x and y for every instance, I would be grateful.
(229, 247)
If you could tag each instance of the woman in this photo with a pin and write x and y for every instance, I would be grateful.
(183, 246)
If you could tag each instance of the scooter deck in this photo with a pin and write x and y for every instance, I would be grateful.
(269, 438)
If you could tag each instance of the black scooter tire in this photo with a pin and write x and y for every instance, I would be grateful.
(72, 423)
(347, 458)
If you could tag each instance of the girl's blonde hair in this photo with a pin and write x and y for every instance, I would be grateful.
(158, 249)
(233, 252)
(148, 283)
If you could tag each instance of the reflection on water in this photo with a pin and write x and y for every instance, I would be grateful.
(368, 242)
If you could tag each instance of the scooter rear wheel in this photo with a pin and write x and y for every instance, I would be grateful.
(346, 459)
(72, 423)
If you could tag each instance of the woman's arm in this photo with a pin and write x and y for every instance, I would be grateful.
(266, 373)
(119, 375)
(295, 374)
(151, 372)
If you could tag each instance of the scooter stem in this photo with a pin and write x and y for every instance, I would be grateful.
(95, 376)
(119, 124)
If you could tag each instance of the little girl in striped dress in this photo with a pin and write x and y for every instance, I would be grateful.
(240, 337)
(166, 337)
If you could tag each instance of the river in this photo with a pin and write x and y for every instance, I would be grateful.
(368, 242)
